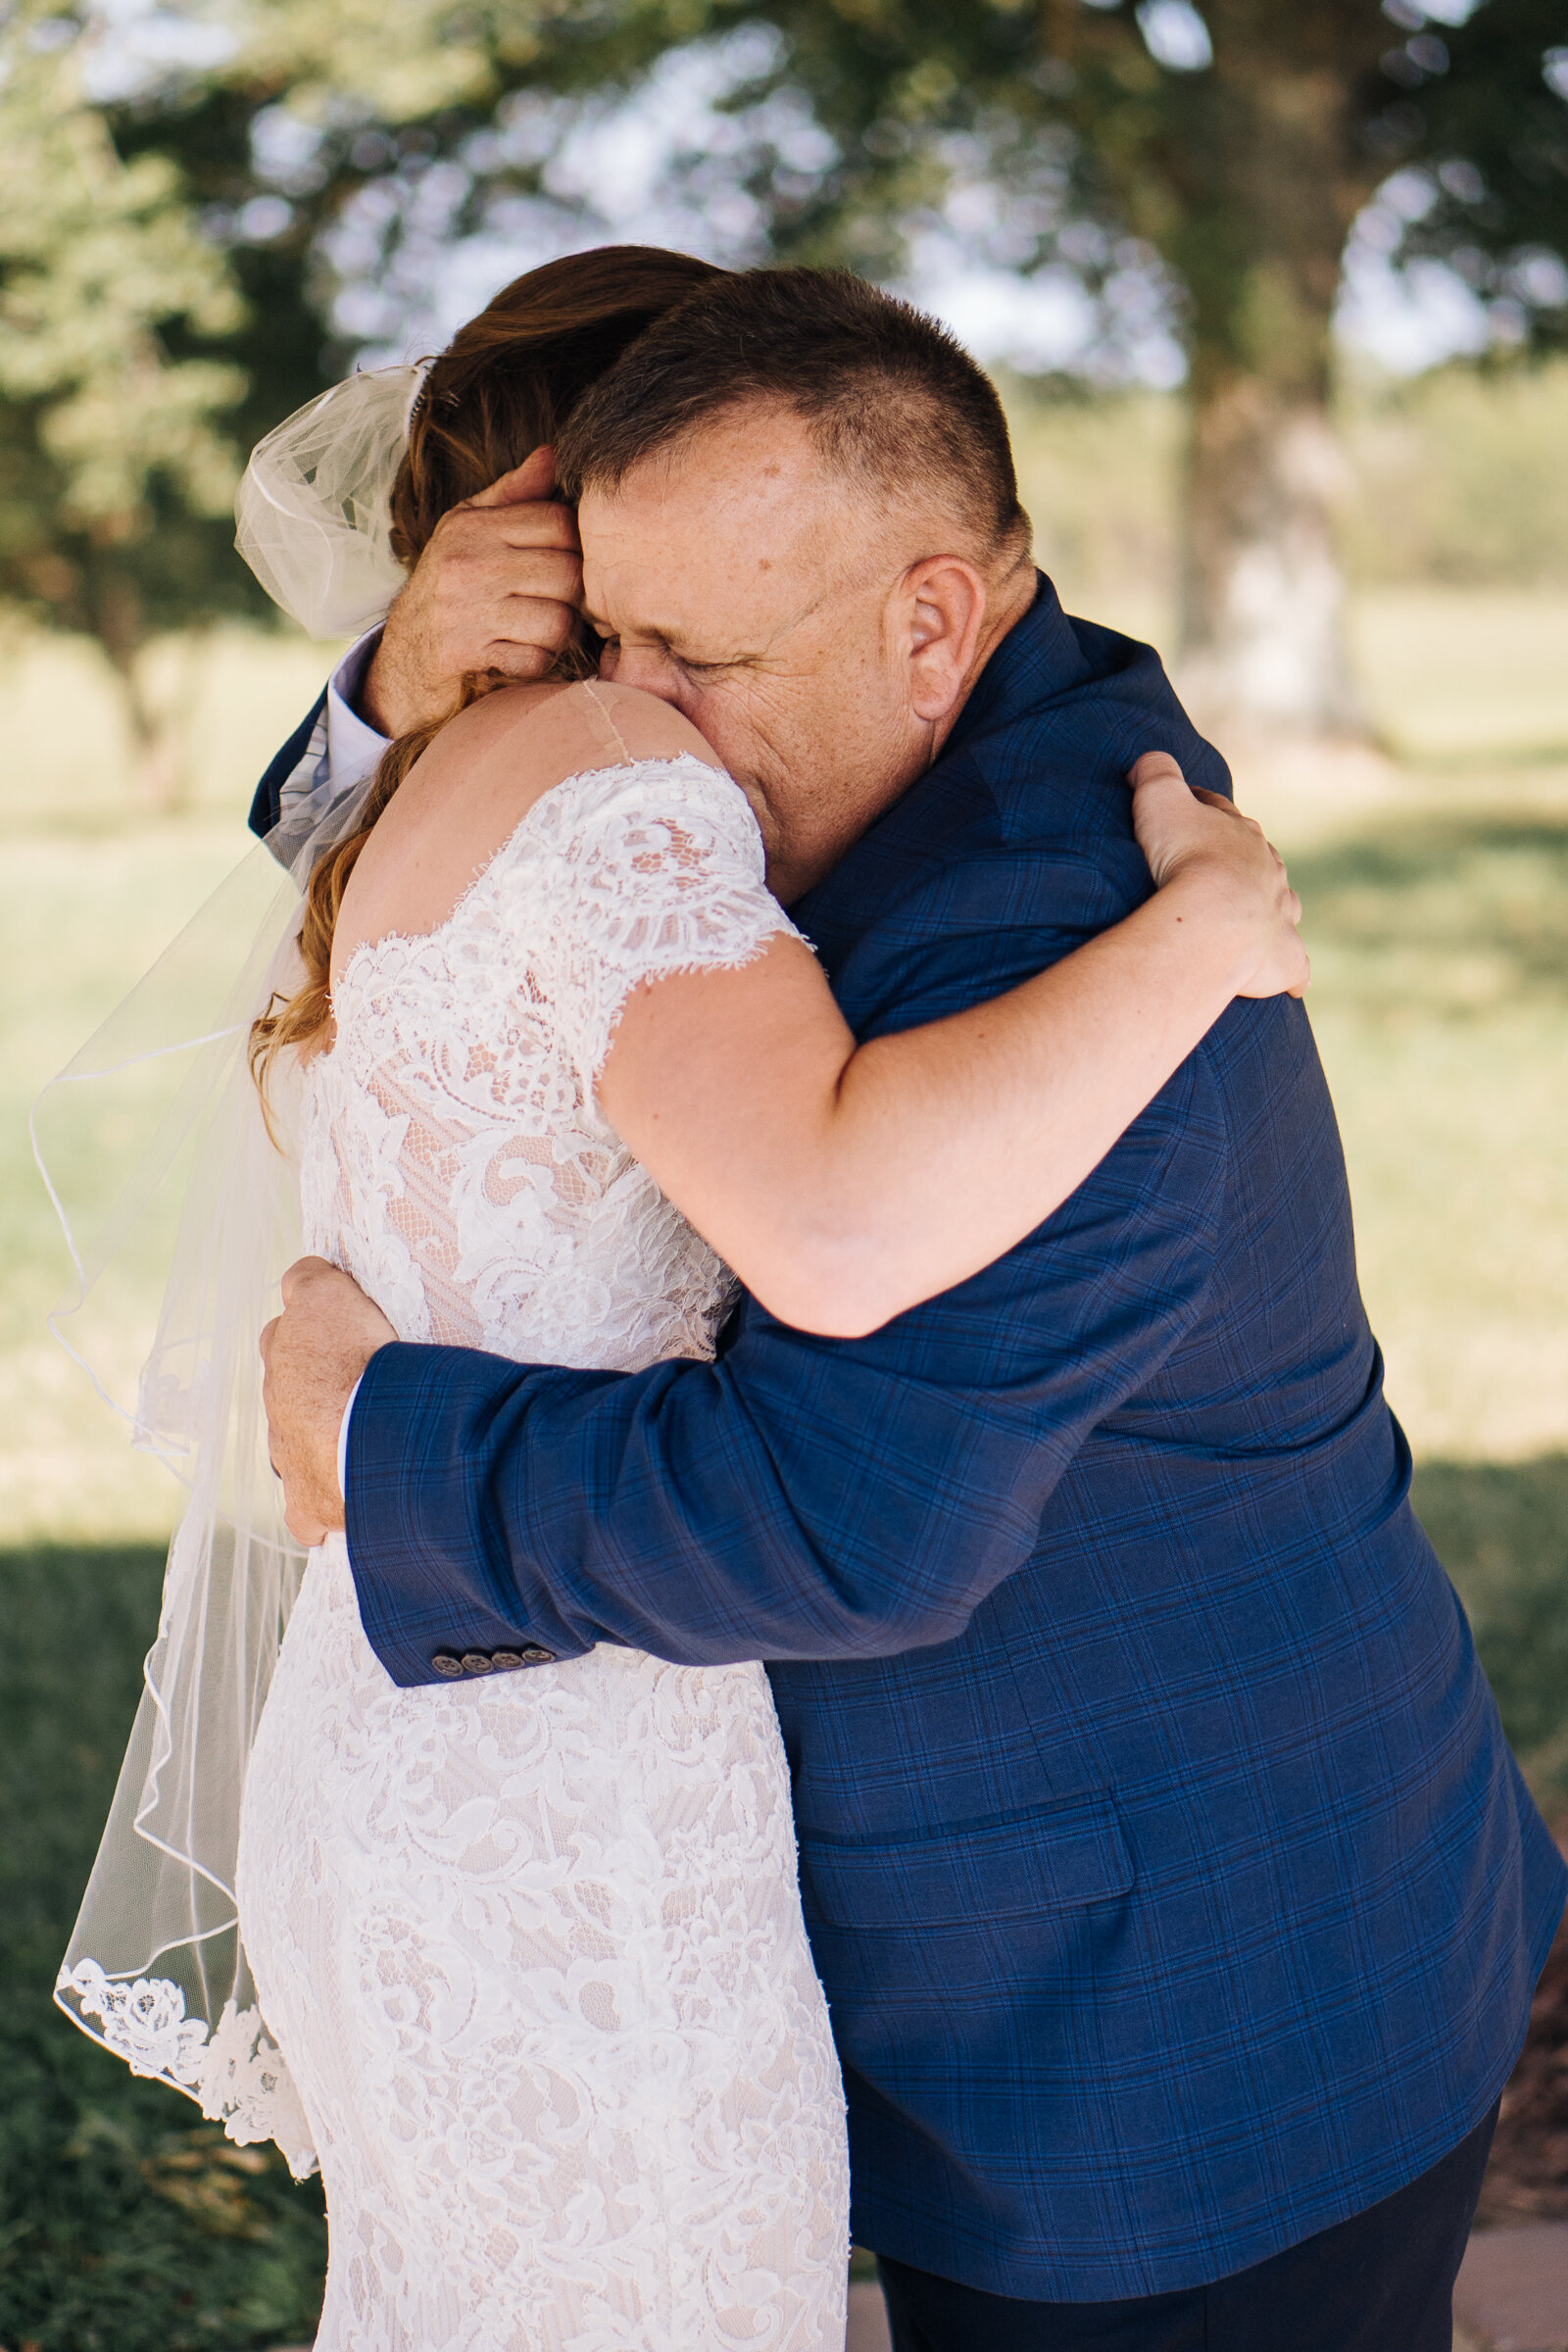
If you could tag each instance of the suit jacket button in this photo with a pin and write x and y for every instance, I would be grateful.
(533, 1655)
(478, 1661)
(446, 1664)
(506, 1662)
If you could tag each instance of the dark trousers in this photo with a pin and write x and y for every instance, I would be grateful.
(1382, 2282)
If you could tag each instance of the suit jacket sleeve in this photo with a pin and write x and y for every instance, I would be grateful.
(267, 804)
(332, 744)
(801, 1498)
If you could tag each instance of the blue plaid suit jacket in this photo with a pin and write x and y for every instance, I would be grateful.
(1174, 1889)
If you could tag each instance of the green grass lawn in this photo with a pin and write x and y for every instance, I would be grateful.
(126, 2223)
(1441, 1006)
(85, 915)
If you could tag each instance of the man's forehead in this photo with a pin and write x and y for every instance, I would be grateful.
(735, 528)
(748, 473)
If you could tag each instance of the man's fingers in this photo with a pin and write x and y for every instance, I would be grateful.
(486, 564)
(489, 545)
(517, 664)
(537, 526)
(304, 1526)
(531, 615)
(330, 1313)
(532, 481)
(490, 589)
(530, 575)
(1154, 768)
(302, 1273)
(469, 540)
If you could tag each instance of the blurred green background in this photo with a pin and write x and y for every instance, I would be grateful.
(1150, 219)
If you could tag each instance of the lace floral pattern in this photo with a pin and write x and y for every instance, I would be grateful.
(246, 2087)
(238, 2076)
(456, 1160)
(144, 2021)
(532, 1945)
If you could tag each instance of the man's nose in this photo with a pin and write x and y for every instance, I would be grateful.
(645, 666)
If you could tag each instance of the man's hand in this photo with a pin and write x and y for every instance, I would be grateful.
(497, 590)
(314, 1352)
(1203, 841)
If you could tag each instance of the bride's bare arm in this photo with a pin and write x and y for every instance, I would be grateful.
(844, 1184)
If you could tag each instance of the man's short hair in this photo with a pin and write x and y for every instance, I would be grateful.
(886, 393)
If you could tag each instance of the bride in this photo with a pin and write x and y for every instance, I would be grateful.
(529, 1942)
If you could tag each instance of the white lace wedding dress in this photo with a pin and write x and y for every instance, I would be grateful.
(533, 1943)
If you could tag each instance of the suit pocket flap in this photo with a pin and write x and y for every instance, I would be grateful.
(1051, 1858)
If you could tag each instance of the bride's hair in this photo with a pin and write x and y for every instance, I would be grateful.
(504, 385)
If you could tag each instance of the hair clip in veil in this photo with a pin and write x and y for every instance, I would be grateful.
(314, 508)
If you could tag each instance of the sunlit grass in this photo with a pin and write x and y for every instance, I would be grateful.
(1440, 1005)
(86, 914)
(1460, 681)
(1502, 1530)
(229, 697)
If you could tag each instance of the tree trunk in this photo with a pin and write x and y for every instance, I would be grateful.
(157, 779)
(1269, 180)
(157, 767)
(1263, 595)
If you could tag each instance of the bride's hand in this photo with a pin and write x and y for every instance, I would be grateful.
(1200, 844)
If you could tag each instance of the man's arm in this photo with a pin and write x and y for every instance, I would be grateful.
(296, 757)
(332, 748)
(801, 1497)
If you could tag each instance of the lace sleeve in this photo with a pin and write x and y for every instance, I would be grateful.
(661, 872)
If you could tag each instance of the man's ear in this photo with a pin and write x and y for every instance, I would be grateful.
(944, 601)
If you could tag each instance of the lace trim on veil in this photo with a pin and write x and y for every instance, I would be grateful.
(237, 2075)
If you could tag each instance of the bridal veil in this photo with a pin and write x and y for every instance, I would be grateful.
(156, 1968)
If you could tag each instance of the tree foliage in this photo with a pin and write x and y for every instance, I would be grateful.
(1183, 129)
(1240, 147)
(106, 432)
(145, 341)
(166, 285)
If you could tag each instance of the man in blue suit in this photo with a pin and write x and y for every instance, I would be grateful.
(1176, 1896)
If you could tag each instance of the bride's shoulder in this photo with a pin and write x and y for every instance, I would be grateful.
(591, 723)
(643, 726)
(596, 724)
(516, 743)
(624, 757)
